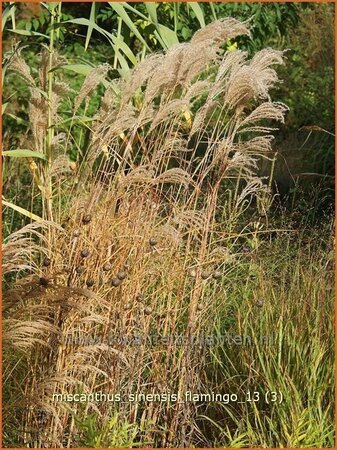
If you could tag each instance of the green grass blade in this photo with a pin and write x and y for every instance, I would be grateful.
(113, 40)
(23, 153)
(169, 37)
(196, 8)
(90, 27)
(134, 10)
(213, 11)
(82, 69)
(4, 106)
(8, 12)
(119, 9)
(152, 10)
(22, 211)
(29, 33)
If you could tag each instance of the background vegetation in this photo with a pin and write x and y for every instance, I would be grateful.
(67, 68)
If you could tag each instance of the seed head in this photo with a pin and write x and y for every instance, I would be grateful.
(148, 310)
(217, 275)
(115, 282)
(139, 297)
(204, 274)
(76, 233)
(121, 275)
(200, 307)
(107, 267)
(43, 281)
(86, 219)
(193, 273)
(79, 270)
(259, 303)
(84, 253)
(152, 242)
(89, 282)
(127, 306)
(46, 262)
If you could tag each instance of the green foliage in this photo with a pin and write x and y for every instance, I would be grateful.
(307, 88)
(113, 433)
(281, 288)
(289, 348)
(269, 20)
(310, 66)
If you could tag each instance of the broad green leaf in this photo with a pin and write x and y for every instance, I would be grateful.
(23, 153)
(19, 120)
(119, 9)
(119, 36)
(124, 69)
(152, 10)
(88, 23)
(90, 27)
(125, 48)
(82, 69)
(8, 12)
(158, 37)
(213, 11)
(111, 38)
(134, 10)
(22, 211)
(198, 12)
(165, 36)
(29, 33)
(50, 5)
(168, 36)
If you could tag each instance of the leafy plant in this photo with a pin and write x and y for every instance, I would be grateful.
(163, 230)
(112, 434)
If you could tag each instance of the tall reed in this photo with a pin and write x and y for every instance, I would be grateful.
(151, 226)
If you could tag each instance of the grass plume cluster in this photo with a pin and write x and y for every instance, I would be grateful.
(152, 243)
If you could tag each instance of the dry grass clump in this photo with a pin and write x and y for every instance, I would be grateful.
(145, 224)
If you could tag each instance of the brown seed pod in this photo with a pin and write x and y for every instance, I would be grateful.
(127, 306)
(152, 242)
(85, 252)
(148, 310)
(46, 262)
(204, 274)
(86, 219)
(43, 281)
(259, 303)
(76, 233)
(89, 282)
(200, 307)
(107, 267)
(121, 275)
(139, 297)
(115, 282)
(217, 275)
(79, 270)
